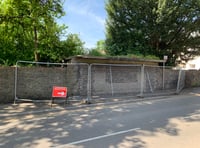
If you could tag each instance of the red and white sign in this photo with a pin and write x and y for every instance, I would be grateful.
(60, 92)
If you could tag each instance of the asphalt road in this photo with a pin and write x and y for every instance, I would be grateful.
(173, 122)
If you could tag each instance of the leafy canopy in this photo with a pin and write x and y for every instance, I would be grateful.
(29, 31)
(155, 27)
(99, 50)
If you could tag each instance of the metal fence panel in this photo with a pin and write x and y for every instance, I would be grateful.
(159, 79)
(114, 80)
(132, 80)
(181, 81)
(35, 80)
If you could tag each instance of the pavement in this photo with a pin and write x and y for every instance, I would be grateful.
(107, 122)
(24, 108)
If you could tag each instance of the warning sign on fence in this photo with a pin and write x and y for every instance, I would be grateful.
(59, 92)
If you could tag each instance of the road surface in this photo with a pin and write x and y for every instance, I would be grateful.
(173, 122)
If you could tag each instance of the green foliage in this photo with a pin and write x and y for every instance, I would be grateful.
(140, 56)
(155, 27)
(74, 44)
(99, 50)
(62, 49)
(28, 31)
(71, 46)
(95, 52)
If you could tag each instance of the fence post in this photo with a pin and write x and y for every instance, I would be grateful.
(179, 86)
(142, 82)
(163, 78)
(111, 82)
(165, 59)
(16, 68)
(89, 84)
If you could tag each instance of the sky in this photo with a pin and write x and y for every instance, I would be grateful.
(86, 18)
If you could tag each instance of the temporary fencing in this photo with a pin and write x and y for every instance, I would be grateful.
(115, 79)
(35, 80)
(162, 80)
(134, 80)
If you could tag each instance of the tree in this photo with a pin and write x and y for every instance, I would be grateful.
(158, 27)
(99, 50)
(30, 26)
(74, 45)
(70, 47)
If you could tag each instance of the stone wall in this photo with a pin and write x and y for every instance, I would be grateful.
(37, 82)
(7, 84)
(192, 78)
(126, 80)
(109, 80)
(154, 78)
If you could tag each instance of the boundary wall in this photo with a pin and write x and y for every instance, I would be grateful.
(36, 82)
(93, 81)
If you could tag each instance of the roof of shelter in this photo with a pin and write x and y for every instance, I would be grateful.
(112, 60)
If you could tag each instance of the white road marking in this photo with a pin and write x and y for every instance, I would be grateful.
(100, 137)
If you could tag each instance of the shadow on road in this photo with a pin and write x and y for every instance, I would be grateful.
(158, 121)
